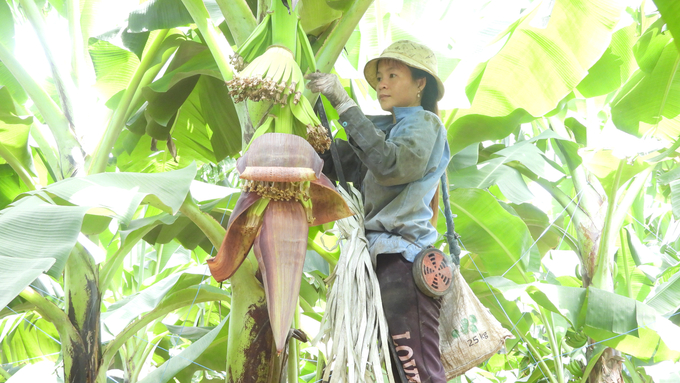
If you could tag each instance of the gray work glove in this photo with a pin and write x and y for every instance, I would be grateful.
(329, 85)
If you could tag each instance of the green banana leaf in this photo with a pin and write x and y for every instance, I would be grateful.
(143, 158)
(509, 180)
(14, 132)
(603, 164)
(7, 40)
(10, 185)
(191, 132)
(113, 66)
(166, 14)
(630, 279)
(123, 192)
(213, 357)
(6, 26)
(19, 273)
(198, 60)
(616, 321)
(675, 198)
(500, 240)
(177, 363)
(562, 300)
(167, 94)
(670, 11)
(23, 339)
(649, 103)
(124, 311)
(59, 226)
(614, 67)
(628, 325)
(220, 115)
(545, 235)
(535, 69)
(493, 172)
(665, 298)
(316, 15)
(59, 229)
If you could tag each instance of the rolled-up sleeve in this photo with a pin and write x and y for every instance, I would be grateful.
(401, 158)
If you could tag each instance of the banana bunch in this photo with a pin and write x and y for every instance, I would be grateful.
(254, 46)
(273, 73)
(298, 119)
(575, 339)
(575, 368)
(273, 76)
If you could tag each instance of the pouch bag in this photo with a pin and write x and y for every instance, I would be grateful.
(468, 333)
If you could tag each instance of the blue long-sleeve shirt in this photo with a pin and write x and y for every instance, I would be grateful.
(399, 166)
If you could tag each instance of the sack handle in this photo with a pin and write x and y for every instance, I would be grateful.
(451, 235)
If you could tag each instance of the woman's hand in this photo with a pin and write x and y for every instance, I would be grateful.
(329, 85)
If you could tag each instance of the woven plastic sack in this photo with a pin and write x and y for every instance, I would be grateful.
(468, 333)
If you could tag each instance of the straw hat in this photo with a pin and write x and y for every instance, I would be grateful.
(410, 53)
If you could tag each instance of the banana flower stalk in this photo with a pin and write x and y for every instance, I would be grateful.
(284, 193)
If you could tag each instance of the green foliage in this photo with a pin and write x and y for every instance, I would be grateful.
(533, 204)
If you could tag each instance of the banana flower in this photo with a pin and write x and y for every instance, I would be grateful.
(284, 193)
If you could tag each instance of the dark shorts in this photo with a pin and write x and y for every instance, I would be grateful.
(413, 320)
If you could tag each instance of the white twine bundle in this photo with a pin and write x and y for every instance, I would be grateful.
(354, 317)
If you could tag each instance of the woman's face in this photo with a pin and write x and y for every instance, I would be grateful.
(396, 86)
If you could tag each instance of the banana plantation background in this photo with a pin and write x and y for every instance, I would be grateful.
(118, 140)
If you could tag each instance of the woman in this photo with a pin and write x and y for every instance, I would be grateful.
(398, 161)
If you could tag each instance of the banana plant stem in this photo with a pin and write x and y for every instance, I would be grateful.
(549, 328)
(284, 26)
(541, 362)
(323, 253)
(216, 43)
(239, 18)
(101, 155)
(220, 50)
(330, 51)
(61, 81)
(602, 278)
(69, 148)
(293, 357)
(4, 373)
(21, 171)
(625, 253)
(78, 50)
(208, 225)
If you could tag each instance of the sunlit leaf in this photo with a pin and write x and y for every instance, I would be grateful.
(563, 300)
(649, 104)
(670, 11)
(500, 239)
(220, 115)
(123, 192)
(14, 134)
(666, 297)
(19, 273)
(124, 311)
(166, 14)
(514, 80)
(547, 236)
(614, 67)
(113, 66)
(166, 371)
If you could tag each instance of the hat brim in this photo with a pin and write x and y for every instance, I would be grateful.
(371, 71)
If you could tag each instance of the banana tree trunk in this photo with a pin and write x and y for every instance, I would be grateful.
(83, 307)
(592, 220)
(251, 355)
